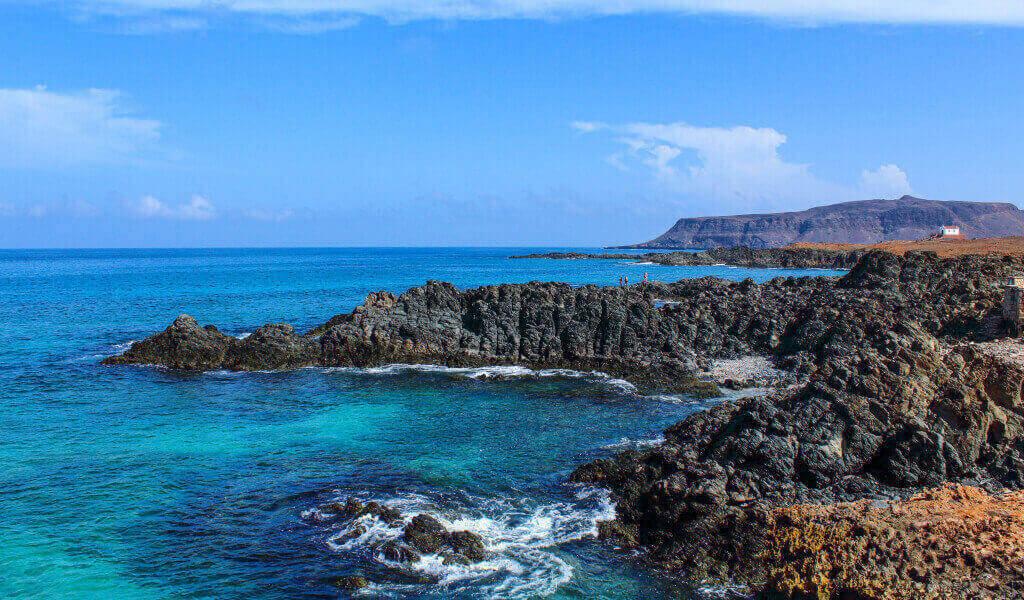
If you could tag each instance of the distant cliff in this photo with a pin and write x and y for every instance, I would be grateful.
(860, 222)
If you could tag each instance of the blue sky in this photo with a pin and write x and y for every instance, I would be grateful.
(501, 122)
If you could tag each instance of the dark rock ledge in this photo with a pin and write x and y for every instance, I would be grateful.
(540, 325)
(893, 396)
(898, 399)
(738, 256)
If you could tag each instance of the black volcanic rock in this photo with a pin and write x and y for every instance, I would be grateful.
(739, 256)
(860, 222)
(183, 345)
(896, 399)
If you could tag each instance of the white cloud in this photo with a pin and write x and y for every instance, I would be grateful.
(275, 216)
(982, 12)
(587, 126)
(887, 181)
(196, 209)
(159, 23)
(40, 128)
(738, 167)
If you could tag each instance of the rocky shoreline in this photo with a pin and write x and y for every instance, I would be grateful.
(739, 256)
(892, 396)
(898, 399)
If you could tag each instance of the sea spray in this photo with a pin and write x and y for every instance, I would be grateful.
(519, 534)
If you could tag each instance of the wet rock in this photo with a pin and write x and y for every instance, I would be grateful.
(467, 546)
(426, 534)
(272, 347)
(399, 552)
(353, 508)
(352, 582)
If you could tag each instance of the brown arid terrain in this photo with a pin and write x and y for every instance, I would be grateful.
(944, 248)
(950, 539)
(811, 255)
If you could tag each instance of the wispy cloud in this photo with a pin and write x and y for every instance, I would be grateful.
(979, 12)
(885, 181)
(269, 215)
(59, 209)
(738, 166)
(197, 208)
(161, 23)
(40, 129)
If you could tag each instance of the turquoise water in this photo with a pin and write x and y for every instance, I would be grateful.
(137, 482)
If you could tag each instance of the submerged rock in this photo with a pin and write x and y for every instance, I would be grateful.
(398, 552)
(352, 582)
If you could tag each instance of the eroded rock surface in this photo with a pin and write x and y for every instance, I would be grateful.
(952, 541)
(897, 399)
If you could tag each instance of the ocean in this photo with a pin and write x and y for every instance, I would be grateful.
(138, 482)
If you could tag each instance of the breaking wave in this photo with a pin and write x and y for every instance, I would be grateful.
(520, 536)
(501, 372)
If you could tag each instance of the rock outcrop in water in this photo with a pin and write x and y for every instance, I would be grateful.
(860, 222)
(739, 256)
(894, 395)
(421, 535)
(615, 330)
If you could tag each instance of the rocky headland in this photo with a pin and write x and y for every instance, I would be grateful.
(899, 389)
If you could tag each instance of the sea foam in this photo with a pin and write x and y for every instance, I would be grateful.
(520, 536)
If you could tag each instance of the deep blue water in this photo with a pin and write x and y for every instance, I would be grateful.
(134, 482)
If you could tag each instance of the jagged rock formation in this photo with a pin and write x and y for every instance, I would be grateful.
(616, 330)
(740, 256)
(421, 535)
(860, 222)
(896, 400)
